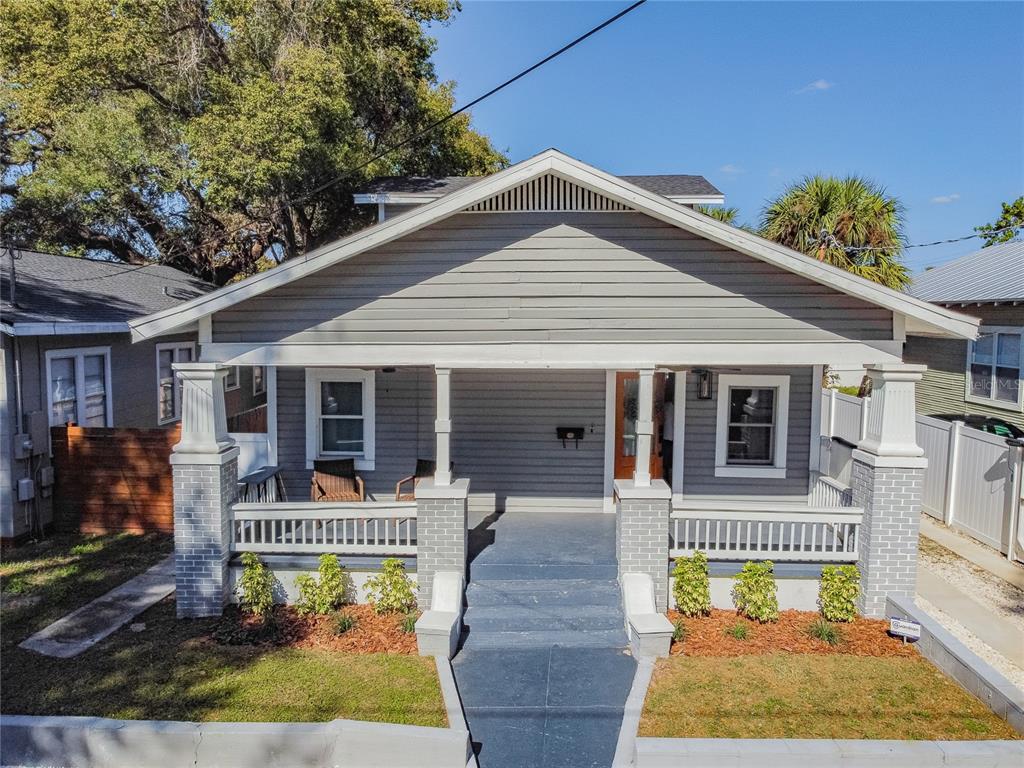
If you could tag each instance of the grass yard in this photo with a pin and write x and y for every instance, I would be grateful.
(813, 697)
(176, 670)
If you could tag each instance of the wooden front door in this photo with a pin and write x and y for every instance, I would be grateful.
(627, 386)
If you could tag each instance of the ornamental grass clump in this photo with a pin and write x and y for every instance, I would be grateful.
(324, 594)
(390, 591)
(343, 622)
(691, 588)
(838, 592)
(738, 631)
(825, 631)
(256, 587)
(755, 593)
(408, 623)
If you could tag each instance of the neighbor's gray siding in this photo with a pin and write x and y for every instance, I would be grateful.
(699, 443)
(551, 277)
(503, 434)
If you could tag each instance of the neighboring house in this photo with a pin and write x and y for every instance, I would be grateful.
(526, 329)
(983, 377)
(67, 356)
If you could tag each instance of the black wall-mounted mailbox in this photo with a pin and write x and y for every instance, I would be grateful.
(570, 433)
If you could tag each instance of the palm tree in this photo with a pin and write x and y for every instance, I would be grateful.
(850, 223)
(724, 215)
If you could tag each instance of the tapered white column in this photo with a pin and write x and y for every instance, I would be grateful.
(204, 426)
(644, 427)
(443, 428)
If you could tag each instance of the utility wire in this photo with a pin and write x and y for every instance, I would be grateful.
(830, 240)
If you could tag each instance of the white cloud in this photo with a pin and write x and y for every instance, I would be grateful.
(821, 84)
(730, 168)
(945, 199)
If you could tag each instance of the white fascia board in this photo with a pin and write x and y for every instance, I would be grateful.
(66, 328)
(944, 321)
(697, 199)
(557, 355)
(396, 198)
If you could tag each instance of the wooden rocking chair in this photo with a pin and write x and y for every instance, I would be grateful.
(424, 468)
(336, 480)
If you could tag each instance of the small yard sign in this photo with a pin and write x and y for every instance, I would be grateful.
(905, 628)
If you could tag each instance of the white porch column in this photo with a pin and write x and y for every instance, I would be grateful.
(443, 428)
(205, 467)
(888, 474)
(644, 427)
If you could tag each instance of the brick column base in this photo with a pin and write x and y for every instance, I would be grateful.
(891, 498)
(205, 486)
(441, 533)
(641, 533)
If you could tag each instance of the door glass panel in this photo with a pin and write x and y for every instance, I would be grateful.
(166, 376)
(63, 392)
(630, 410)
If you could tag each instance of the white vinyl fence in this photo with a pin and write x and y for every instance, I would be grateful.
(972, 482)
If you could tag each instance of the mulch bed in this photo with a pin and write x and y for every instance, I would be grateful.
(706, 636)
(372, 633)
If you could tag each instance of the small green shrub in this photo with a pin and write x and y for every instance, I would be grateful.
(325, 593)
(390, 591)
(754, 593)
(837, 595)
(678, 631)
(256, 587)
(738, 631)
(691, 589)
(408, 624)
(343, 622)
(825, 631)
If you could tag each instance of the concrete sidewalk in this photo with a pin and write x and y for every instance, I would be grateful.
(982, 556)
(83, 628)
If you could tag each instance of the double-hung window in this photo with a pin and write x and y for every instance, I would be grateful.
(168, 385)
(340, 415)
(994, 368)
(259, 380)
(753, 416)
(78, 387)
(232, 380)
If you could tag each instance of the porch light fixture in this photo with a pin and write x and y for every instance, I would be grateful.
(703, 384)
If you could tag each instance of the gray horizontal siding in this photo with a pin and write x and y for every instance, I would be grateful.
(700, 434)
(551, 276)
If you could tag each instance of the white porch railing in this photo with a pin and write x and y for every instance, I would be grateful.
(784, 533)
(829, 492)
(351, 528)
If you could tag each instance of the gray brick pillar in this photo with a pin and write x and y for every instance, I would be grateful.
(205, 467)
(888, 475)
(641, 533)
(441, 533)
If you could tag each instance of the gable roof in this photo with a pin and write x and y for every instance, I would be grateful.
(921, 316)
(53, 292)
(680, 188)
(993, 274)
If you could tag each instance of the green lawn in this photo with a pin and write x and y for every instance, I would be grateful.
(812, 697)
(172, 670)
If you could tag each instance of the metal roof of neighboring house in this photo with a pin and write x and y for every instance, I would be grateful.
(62, 289)
(666, 185)
(992, 274)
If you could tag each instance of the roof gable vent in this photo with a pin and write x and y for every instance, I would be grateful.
(548, 193)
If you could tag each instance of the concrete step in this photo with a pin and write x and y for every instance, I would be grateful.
(550, 592)
(565, 638)
(543, 619)
(545, 571)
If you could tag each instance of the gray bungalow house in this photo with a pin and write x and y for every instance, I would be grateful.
(551, 339)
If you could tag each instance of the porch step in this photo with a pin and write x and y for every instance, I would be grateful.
(564, 638)
(543, 592)
(542, 618)
(541, 571)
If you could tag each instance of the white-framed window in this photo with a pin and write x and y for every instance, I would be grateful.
(78, 387)
(752, 426)
(232, 380)
(168, 385)
(340, 415)
(995, 368)
(259, 380)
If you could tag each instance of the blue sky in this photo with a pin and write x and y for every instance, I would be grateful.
(925, 98)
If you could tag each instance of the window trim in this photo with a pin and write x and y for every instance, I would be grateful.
(991, 402)
(172, 345)
(730, 381)
(255, 391)
(79, 354)
(238, 379)
(314, 377)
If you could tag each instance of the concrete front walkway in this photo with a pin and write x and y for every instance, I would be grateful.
(83, 628)
(544, 672)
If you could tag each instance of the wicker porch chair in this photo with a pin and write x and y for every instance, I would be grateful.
(336, 480)
(424, 468)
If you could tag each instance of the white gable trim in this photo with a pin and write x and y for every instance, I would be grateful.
(937, 319)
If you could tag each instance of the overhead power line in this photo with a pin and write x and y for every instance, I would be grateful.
(832, 241)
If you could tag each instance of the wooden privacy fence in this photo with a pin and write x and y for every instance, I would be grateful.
(973, 479)
(111, 480)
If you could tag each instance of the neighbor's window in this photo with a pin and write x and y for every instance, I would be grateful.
(752, 424)
(232, 380)
(79, 386)
(168, 385)
(259, 381)
(994, 368)
(340, 415)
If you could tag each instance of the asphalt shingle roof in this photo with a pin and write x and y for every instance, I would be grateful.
(995, 273)
(51, 288)
(667, 185)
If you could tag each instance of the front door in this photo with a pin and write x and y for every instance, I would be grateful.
(627, 386)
